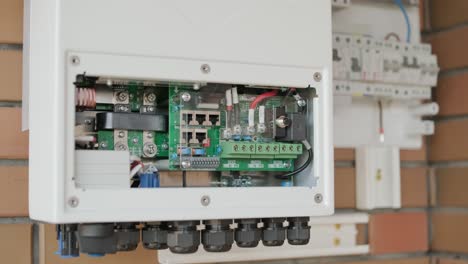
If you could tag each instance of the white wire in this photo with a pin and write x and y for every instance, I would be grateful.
(135, 170)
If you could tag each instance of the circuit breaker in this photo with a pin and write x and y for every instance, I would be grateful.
(125, 96)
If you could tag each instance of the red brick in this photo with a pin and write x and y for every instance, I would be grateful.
(398, 233)
(342, 154)
(451, 94)
(345, 188)
(450, 261)
(450, 47)
(14, 142)
(450, 141)
(450, 232)
(13, 191)
(10, 74)
(16, 243)
(414, 187)
(446, 14)
(393, 261)
(11, 21)
(451, 187)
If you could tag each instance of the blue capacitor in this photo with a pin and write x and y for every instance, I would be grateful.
(149, 180)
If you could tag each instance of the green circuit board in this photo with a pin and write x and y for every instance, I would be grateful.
(195, 136)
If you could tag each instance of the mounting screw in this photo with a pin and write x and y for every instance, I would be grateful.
(318, 198)
(73, 202)
(205, 68)
(75, 60)
(150, 150)
(186, 97)
(151, 97)
(317, 76)
(122, 96)
(205, 200)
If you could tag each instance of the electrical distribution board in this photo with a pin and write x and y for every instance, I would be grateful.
(216, 92)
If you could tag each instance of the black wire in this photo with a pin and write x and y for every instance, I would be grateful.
(135, 184)
(303, 167)
(184, 179)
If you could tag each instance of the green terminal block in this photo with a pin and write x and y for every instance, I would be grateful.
(289, 151)
(244, 150)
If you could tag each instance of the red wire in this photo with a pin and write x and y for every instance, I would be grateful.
(262, 97)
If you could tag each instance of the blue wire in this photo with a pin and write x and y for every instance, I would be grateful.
(400, 4)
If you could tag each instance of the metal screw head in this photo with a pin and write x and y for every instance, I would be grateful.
(205, 68)
(122, 96)
(73, 202)
(103, 145)
(301, 103)
(151, 97)
(121, 134)
(318, 198)
(149, 135)
(135, 140)
(149, 149)
(186, 97)
(120, 146)
(75, 60)
(205, 200)
(317, 76)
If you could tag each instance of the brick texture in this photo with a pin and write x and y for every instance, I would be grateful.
(450, 46)
(446, 14)
(342, 154)
(450, 142)
(16, 243)
(450, 232)
(451, 187)
(13, 191)
(10, 74)
(11, 21)
(449, 261)
(451, 94)
(14, 142)
(345, 188)
(394, 261)
(398, 233)
(414, 187)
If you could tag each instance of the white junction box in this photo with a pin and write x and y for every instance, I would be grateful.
(119, 92)
(382, 81)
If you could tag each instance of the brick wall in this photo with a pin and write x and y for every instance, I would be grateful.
(395, 236)
(447, 31)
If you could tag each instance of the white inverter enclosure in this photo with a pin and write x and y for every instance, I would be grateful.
(261, 43)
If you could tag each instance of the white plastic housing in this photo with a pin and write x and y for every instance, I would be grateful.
(255, 42)
(378, 178)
